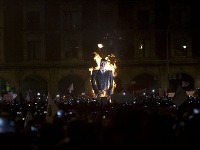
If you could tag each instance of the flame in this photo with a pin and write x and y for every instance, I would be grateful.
(111, 65)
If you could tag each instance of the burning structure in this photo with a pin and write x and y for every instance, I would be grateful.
(103, 84)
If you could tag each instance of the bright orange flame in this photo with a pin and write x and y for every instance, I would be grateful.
(109, 66)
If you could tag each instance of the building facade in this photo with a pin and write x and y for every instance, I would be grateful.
(46, 45)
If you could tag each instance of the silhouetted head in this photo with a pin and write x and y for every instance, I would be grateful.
(103, 63)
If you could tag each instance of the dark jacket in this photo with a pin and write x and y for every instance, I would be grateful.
(102, 82)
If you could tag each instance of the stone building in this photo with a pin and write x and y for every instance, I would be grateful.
(46, 45)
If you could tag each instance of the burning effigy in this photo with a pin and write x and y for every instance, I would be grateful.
(102, 76)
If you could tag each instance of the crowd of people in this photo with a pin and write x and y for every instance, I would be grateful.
(89, 123)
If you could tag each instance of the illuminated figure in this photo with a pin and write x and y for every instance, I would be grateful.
(102, 80)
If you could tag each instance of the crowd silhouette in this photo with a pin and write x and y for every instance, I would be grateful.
(86, 123)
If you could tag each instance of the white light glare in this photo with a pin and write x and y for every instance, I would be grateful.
(100, 45)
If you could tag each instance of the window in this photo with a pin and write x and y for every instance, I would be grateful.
(33, 20)
(106, 19)
(181, 47)
(180, 19)
(144, 48)
(92, 16)
(71, 20)
(71, 49)
(126, 17)
(143, 19)
(34, 50)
